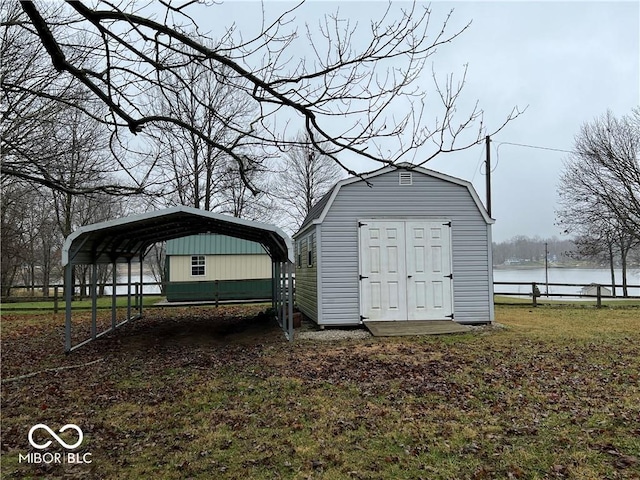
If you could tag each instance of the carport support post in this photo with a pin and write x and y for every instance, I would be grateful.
(68, 295)
(129, 288)
(276, 290)
(290, 293)
(141, 283)
(283, 298)
(94, 300)
(273, 284)
(114, 297)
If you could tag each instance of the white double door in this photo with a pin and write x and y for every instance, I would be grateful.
(405, 270)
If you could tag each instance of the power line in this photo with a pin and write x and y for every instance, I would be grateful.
(535, 146)
(478, 165)
(498, 145)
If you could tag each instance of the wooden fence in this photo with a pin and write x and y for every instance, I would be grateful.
(534, 291)
(55, 299)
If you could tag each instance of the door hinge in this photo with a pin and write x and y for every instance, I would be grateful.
(362, 278)
(449, 276)
(448, 224)
(360, 224)
(449, 316)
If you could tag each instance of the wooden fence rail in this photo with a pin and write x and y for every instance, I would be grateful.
(535, 293)
(148, 289)
(532, 291)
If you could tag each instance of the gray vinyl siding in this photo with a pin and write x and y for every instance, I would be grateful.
(428, 197)
(307, 277)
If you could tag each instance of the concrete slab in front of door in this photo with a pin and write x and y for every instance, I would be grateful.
(415, 327)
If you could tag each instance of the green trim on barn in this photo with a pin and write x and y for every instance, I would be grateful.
(212, 244)
(221, 290)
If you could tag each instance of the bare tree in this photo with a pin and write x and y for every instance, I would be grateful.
(13, 214)
(237, 200)
(594, 241)
(30, 239)
(52, 137)
(305, 175)
(83, 162)
(355, 81)
(195, 168)
(34, 95)
(155, 259)
(600, 187)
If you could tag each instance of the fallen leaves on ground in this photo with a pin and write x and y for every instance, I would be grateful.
(204, 392)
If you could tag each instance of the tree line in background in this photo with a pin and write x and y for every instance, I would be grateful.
(527, 251)
(523, 250)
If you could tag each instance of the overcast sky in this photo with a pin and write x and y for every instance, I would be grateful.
(567, 62)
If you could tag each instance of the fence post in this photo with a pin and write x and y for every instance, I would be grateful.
(534, 293)
(599, 296)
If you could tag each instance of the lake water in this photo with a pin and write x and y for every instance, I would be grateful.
(562, 275)
(146, 278)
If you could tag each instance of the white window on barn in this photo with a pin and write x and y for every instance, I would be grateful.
(197, 265)
(310, 241)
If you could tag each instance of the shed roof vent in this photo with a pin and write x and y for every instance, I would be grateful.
(406, 178)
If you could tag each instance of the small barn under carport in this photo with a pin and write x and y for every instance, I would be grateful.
(400, 244)
(128, 239)
(216, 267)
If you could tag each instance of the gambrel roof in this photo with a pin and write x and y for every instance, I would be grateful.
(319, 210)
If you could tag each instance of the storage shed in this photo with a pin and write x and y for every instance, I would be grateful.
(217, 267)
(400, 244)
(592, 290)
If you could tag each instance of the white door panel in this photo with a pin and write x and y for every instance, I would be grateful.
(383, 270)
(428, 270)
(406, 270)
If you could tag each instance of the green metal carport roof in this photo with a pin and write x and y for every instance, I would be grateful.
(116, 241)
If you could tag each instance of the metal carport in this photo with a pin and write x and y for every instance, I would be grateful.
(122, 240)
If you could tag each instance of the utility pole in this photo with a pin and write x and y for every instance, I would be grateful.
(488, 169)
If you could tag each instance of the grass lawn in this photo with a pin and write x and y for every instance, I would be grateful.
(607, 301)
(216, 393)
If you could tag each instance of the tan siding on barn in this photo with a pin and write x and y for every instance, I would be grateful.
(221, 267)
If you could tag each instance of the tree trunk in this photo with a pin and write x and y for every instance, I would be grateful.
(613, 270)
(623, 258)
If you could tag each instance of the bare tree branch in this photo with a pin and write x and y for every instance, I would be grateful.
(350, 77)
